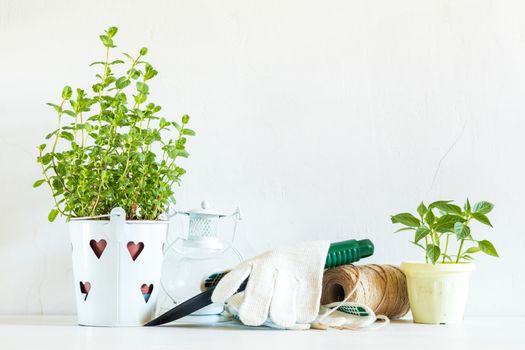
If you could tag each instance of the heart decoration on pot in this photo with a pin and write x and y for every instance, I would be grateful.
(85, 287)
(146, 291)
(98, 247)
(135, 249)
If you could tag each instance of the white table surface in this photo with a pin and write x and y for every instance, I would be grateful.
(61, 332)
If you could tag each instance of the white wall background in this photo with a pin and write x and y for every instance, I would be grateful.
(318, 118)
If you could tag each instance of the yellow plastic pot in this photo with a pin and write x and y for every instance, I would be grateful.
(437, 293)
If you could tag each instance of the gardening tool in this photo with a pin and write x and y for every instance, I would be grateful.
(339, 253)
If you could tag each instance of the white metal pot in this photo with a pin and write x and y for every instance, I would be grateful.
(437, 293)
(117, 267)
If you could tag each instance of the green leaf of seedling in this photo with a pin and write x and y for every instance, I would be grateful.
(38, 183)
(405, 229)
(144, 51)
(446, 223)
(482, 218)
(448, 208)
(433, 204)
(185, 119)
(418, 245)
(116, 62)
(462, 231)
(483, 207)
(421, 232)
(430, 218)
(433, 253)
(472, 250)
(447, 257)
(467, 207)
(488, 248)
(405, 219)
(422, 209)
(52, 215)
(42, 147)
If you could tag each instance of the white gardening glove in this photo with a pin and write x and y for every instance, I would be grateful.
(285, 285)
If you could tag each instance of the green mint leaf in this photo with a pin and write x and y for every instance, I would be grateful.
(122, 82)
(67, 135)
(56, 107)
(52, 215)
(188, 132)
(67, 92)
(112, 31)
(144, 51)
(142, 87)
(106, 40)
(38, 183)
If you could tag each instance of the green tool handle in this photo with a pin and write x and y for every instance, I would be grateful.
(347, 252)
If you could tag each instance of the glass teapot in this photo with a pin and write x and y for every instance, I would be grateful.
(189, 261)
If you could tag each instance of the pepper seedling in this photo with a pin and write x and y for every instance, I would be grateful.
(436, 223)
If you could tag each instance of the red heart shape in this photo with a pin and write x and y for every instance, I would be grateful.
(98, 247)
(146, 291)
(85, 287)
(135, 249)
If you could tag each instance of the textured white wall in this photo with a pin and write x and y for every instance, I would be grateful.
(318, 118)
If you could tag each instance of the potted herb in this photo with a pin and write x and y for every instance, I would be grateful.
(113, 152)
(438, 287)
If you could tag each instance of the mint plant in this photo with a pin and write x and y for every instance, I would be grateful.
(434, 225)
(110, 147)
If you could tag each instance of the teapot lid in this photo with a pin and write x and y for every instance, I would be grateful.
(204, 211)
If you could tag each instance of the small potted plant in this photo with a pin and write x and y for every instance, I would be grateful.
(438, 287)
(111, 163)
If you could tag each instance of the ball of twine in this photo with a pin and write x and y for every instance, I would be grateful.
(382, 287)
